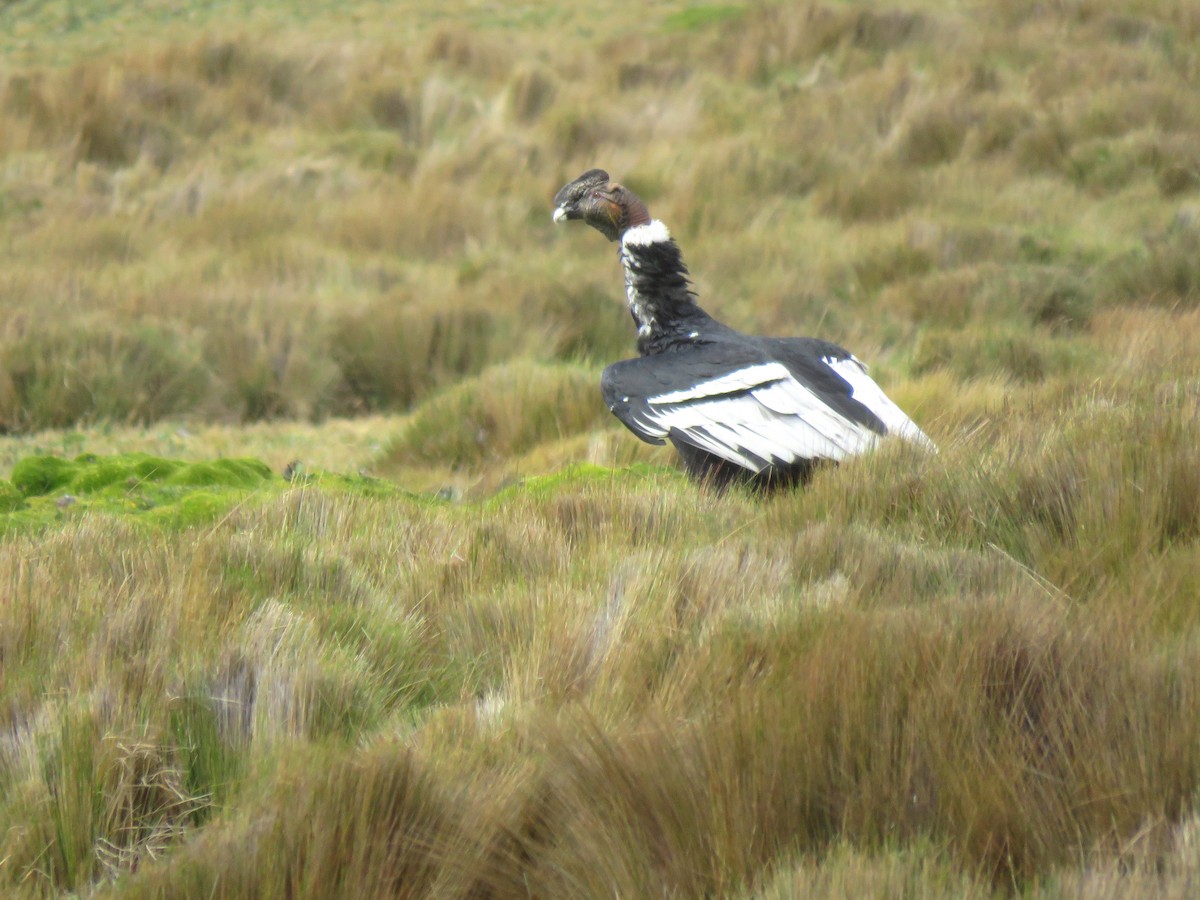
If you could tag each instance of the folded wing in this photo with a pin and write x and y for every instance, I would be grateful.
(756, 413)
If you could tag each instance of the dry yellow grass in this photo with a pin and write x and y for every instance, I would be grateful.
(322, 234)
(252, 224)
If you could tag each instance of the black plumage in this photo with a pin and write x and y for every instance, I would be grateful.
(736, 406)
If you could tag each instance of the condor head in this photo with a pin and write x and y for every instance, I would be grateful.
(608, 207)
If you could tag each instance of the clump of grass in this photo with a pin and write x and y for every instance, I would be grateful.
(1025, 356)
(100, 805)
(530, 94)
(888, 29)
(932, 136)
(1103, 165)
(944, 298)
(279, 689)
(745, 169)
(1042, 147)
(847, 871)
(1177, 166)
(505, 410)
(1162, 860)
(401, 814)
(999, 123)
(885, 261)
(1058, 299)
(583, 321)
(458, 49)
(62, 374)
(395, 352)
(1053, 296)
(238, 225)
(1090, 487)
(775, 40)
(1166, 270)
(427, 219)
(270, 358)
(878, 194)
(209, 762)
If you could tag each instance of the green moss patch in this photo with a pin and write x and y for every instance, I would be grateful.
(47, 489)
(362, 485)
(171, 493)
(35, 476)
(245, 473)
(583, 475)
(192, 509)
(11, 499)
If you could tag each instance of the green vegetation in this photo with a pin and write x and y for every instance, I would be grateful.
(510, 650)
(49, 490)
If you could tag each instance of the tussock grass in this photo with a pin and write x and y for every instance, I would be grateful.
(657, 690)
(108, 803)
(954, 697)
(569, 672)
(392, 353)
(503, 412)
(205, 174)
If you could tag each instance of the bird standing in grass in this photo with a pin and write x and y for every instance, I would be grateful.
(737, 407)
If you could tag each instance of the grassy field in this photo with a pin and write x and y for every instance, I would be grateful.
(325, 572)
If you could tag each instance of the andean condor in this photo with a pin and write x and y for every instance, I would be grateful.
(736, 407)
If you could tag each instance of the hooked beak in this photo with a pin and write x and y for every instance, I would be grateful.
(594, 199)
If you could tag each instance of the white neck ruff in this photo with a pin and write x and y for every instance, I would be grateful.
(654, 232)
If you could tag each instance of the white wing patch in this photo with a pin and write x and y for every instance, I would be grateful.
(756, 417)
(731, 383)
(761, 416)
(870, 395)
